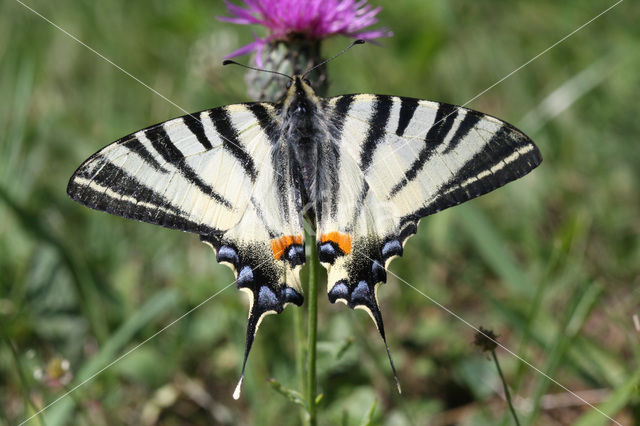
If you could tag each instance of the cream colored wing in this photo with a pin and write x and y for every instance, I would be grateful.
(218, 173)
(401, 159)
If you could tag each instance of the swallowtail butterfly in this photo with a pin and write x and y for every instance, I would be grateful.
(363, 169)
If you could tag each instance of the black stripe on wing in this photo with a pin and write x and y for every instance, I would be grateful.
(377, 129)
(162, 143)
(442, 124)
(408, 107)
(230, 142)
(267, 123)
(470, 120)
(257, 207)
(133, 144)
(357, 211)
(509, 151)
(114, 191)
(194, 124)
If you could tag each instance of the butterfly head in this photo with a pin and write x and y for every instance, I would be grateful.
(300, 99)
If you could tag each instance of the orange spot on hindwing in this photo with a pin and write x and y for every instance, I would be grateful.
(343, 241)
(280, 245)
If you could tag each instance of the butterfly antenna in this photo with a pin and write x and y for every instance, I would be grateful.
(230, 62)
(333, 57)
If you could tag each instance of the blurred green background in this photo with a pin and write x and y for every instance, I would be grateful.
(550, 263)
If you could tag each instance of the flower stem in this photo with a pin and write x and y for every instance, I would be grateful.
(298, 329)
(506, 388)
(312, 330)
(23, 377)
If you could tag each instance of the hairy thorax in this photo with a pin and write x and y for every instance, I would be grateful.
(304, 130)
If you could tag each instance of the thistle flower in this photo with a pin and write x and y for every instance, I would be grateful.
(314, 19)
(296, 29)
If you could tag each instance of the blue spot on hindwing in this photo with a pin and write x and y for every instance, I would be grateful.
(361, 295)
(391, 248)
(227, 254)
(291, 296)
(378, 272)
(245, 277)
(295, 254)
(339, 291)
(267, 300)
(327, 253)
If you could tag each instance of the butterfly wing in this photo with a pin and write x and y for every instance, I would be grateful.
(212, 173)
(402, 159)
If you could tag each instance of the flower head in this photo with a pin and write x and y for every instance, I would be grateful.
(56, 374)
(311, 19)
(486, 340)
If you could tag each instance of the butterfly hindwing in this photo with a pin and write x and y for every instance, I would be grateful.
(213, 173)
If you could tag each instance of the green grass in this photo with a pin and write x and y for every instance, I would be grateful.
(550, 263)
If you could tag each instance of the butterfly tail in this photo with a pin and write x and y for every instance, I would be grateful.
(369, 303)
(252, 328)
(363, 296)
(377, 318)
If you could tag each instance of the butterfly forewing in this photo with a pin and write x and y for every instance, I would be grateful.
(435, 155)
(164, 175)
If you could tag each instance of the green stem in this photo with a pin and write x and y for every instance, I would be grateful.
(312, 330)
(298, 329)
(506, 388)
(79, 405)
(23, 378)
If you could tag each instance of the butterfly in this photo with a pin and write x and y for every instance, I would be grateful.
(362, 169)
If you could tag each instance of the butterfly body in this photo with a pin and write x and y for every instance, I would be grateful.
(363, 169)
(305, 131)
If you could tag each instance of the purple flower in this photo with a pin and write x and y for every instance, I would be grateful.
(312, 19)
